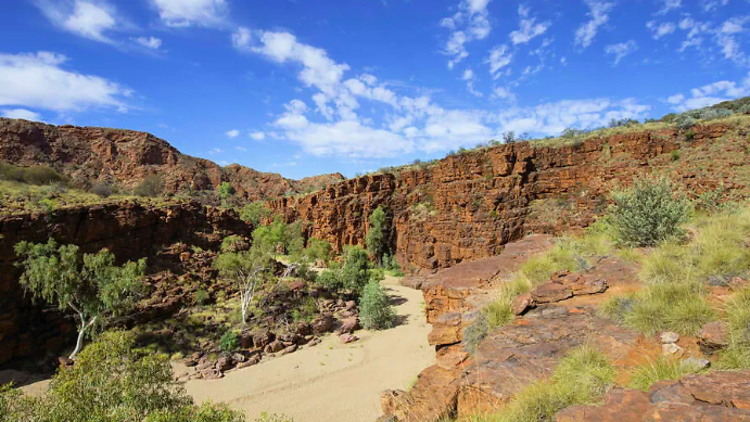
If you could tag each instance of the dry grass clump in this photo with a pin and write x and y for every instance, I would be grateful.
(582, 377)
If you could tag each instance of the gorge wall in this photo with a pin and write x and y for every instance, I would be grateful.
(469, 205)
(130, 230)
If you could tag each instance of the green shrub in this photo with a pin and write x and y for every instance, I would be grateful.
(684, 122)
(255, 213)
(229, 342)
(266, 417)
(681, 307)
(112, 382)
(675, 155)
(649, 213)
(103, 190)
(307, 310)
(225, 190)
(318, 249)
(661, 369)
(475, 332)
(34, 175)
(375, 311)
(152, 185)
(201, 297)
(379, 234)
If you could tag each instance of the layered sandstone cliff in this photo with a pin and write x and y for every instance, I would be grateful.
(468, 206)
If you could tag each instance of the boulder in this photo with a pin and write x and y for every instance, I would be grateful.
(289, 349)
(348, 338)
(262, 338)
(322, 324)
(669, 337)
(348, 325)
(274, 346)
(521, 303)
(211, 374)
(224, 364)
(713, 336)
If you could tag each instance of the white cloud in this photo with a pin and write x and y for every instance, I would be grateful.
(241, 38)
(661, 29)
(85, 18)
(709, 94)
(39, 81)
(695, 31)
(711, 5)
(239, 148)
(529, 29)
(20, 113)
(258, 136)
(669, 5)
(500, 57)
(232, 133)
(181, 13)
(470, 79)
(598, 16)
(470, 23)
(621, 50)
(504, 94)
(726, 38)
(148, 42)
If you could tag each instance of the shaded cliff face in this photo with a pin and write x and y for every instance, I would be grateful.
(129, 230)
(468, 206)
(89, 155)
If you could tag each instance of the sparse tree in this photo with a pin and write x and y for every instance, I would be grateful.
(255, 213)
(247, 269)
(509, 137)
(378, 235)
(225, 190)
(92, 286)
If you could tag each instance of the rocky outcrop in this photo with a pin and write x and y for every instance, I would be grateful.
(467, 206)
(126, 157)
(714, 397)
(129, 230)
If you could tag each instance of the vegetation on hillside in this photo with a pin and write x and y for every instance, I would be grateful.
(89, 285)
(112, 382)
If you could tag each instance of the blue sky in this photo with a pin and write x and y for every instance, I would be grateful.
(303, 87)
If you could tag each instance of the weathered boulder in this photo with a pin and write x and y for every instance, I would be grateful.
(713, 336)
(323, 324)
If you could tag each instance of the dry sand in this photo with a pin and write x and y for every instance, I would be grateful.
(332, 382)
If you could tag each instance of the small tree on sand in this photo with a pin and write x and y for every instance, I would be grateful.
(247, 269)
(377, 236)
(92, 286)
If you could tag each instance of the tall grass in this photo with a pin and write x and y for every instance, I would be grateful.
(644, 376)
(582, 377)
(737, 355)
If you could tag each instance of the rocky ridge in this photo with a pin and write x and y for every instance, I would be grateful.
(125, 157)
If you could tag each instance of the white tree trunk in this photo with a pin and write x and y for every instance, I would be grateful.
(81, 333)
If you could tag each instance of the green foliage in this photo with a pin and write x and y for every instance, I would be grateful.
(255, 213)
(681, 307)
(352, 276)
(225, 190)
(661, 369)
(34, 175)
(649, 213)
(378, 236)
(102, 190)
(229, 342)
(737, 355)
(307, 310)
(92, 286)
(152, 185)
(582, 377)
(674, 155)
(201, 297)
(111, 382)
(281, 236)
(375, 311)
(318, 249)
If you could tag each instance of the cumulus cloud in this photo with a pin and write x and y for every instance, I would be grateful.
(621, 50)
(241, 38)
(232, 133)
(659, 30)
(85, 18)
(148, 42)
(182, 13)
(258, 136)
(709, 94)
(726, 38)
(470, 23)
(39, 81)
(528, 28)
(598, 16)
(20, 113)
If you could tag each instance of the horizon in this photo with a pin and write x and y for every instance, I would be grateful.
(302, 90)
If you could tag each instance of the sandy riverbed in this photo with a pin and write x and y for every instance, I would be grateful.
(332, 382)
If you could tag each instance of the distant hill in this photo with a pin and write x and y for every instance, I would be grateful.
(124, 158)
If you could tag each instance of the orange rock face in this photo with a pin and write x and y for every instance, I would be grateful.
(468, 206)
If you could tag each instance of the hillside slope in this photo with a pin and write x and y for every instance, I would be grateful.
(125, 157)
